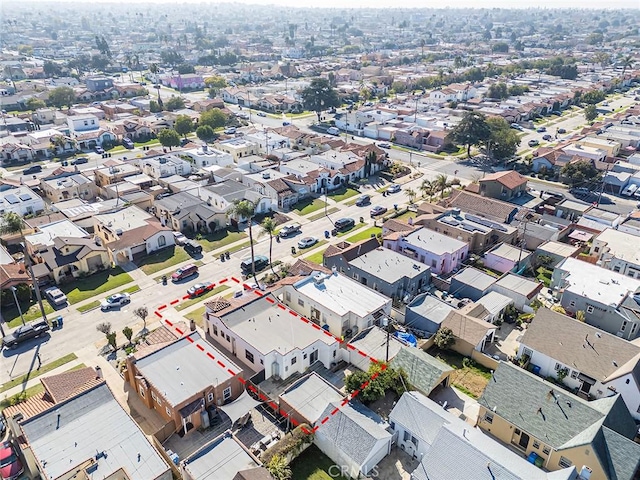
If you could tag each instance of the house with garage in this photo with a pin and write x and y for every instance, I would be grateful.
(304, 400)
(617, 251)
(593, 363)
(442, 254)
(223, 458)
(266, 337)
(555, 429)
(61, 188)
(131, 231)
(184, 379)
(335, 302)
(354, 437)
(165, 166)
(185, 212)
(610, 301)
(504, 186)
(425, 314)
(522, 290)
(89, 435)
(384, 270)
(472, 335)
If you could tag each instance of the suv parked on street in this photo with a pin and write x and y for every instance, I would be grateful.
(184, 272)
(344, 224)
(24, 333)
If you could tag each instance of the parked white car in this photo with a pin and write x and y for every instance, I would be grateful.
(179, 238)
(55, 296)
(115, 301)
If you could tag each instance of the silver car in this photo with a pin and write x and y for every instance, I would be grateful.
(116, 300)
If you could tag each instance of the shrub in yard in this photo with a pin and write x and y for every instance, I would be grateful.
(278, 467)
(291, 445)
(111, 339)
(444, 339)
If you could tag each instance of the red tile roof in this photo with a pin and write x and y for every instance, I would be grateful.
(509, 179)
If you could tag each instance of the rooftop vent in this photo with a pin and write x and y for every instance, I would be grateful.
(318, 279)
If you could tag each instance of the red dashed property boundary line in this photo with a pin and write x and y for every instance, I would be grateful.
(252, 388)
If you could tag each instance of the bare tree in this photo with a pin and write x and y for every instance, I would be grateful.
(104, 327)
(142, 313)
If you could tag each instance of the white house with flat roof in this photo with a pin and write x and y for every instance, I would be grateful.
(264, 335)
(441, 253)
(21, 200)
(337, 303)
(206, 156)
(238, 147)
(617, 251)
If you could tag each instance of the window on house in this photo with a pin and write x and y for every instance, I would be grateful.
(433, 264)
(564, 462)
(616, 269)
(406, 436)
(634, 328)
(334, 354)
(287, 296)
(536, 444)
(488, 417)
(168, 410)
(627, 381)
(414, 440)
(226, 394)
(228, 338)
(304, 356)
(392, 425)
(355, 276)
(215, 330)
(623, 327)
(162, 241)
(557, 367)
(572, 303)
(141, 390)
(574, 374)
(249, 355)
(301, 302)
(210, 397)
(590, 309)
(294, 360)
(153, 395)
(596, 250)
(546, 450)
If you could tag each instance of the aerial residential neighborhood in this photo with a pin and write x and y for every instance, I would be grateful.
(263, 242)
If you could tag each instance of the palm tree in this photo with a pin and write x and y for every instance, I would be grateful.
(441, 183)
(411, 193)
(426, 187)
(626, 63)
(246, 209)
(269, 227)
(12, 223)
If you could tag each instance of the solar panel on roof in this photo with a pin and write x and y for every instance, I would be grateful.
(25, 196)
(11, 198)
(486, 223)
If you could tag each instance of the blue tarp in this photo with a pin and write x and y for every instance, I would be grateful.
(408, 338)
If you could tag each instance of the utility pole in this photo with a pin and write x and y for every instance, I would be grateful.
(521, 242)
(602, 186)
(15, 298)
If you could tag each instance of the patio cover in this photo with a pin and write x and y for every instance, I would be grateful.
(581, 235)
(239, 407)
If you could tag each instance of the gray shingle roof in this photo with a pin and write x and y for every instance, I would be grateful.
(552, 415)
(565, 340)
(423, 370)
(354, 429)
(415, 412)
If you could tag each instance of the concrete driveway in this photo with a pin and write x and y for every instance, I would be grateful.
(395, 466)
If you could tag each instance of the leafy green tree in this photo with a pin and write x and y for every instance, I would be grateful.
(214, 118)
(399, 87)
(171, 57)
(444, 338)
(111, 340)
(517, 90)
(34, 103)
(154, 106)
(215, 84)
(169, 138)
(128, 333)
(100, 62)
(269, 227)
(500, 47)
(61, 96)
(386, 378)
(472, 130)
(590, 113)
(319, 96)
(278, 468)
(579, 173)
(247, 210)
(503, 141)
(498, 91)
(592, 97)
(185, 68)
(183, 125)
(174, 103)
(205, 133)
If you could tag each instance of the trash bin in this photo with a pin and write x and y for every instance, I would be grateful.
(54, 323)
(59, 319)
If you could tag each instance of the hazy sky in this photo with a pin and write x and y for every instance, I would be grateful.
(594, 4)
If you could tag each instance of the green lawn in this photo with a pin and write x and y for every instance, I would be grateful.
(316, 257)
(96, 284)
(196, 316)
(193, 301)
(318, 216)
(148, 143)
(76, 291)
(343, 194)
(118, 148)
(406, 215)
(312, 464)
(364, 234)
(219, 239)
(47, 367)
(165, 258)
(96, 303)
(471, 379)
(309, 205)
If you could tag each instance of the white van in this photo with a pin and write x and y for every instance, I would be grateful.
(630, 190)
(333, 131)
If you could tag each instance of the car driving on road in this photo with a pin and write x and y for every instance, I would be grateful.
(363, 200)
(393, 188)
(116, 300)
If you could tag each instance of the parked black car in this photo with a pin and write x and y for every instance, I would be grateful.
(32, 169)
(344, 224)
(24, 333)
(192, 247)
